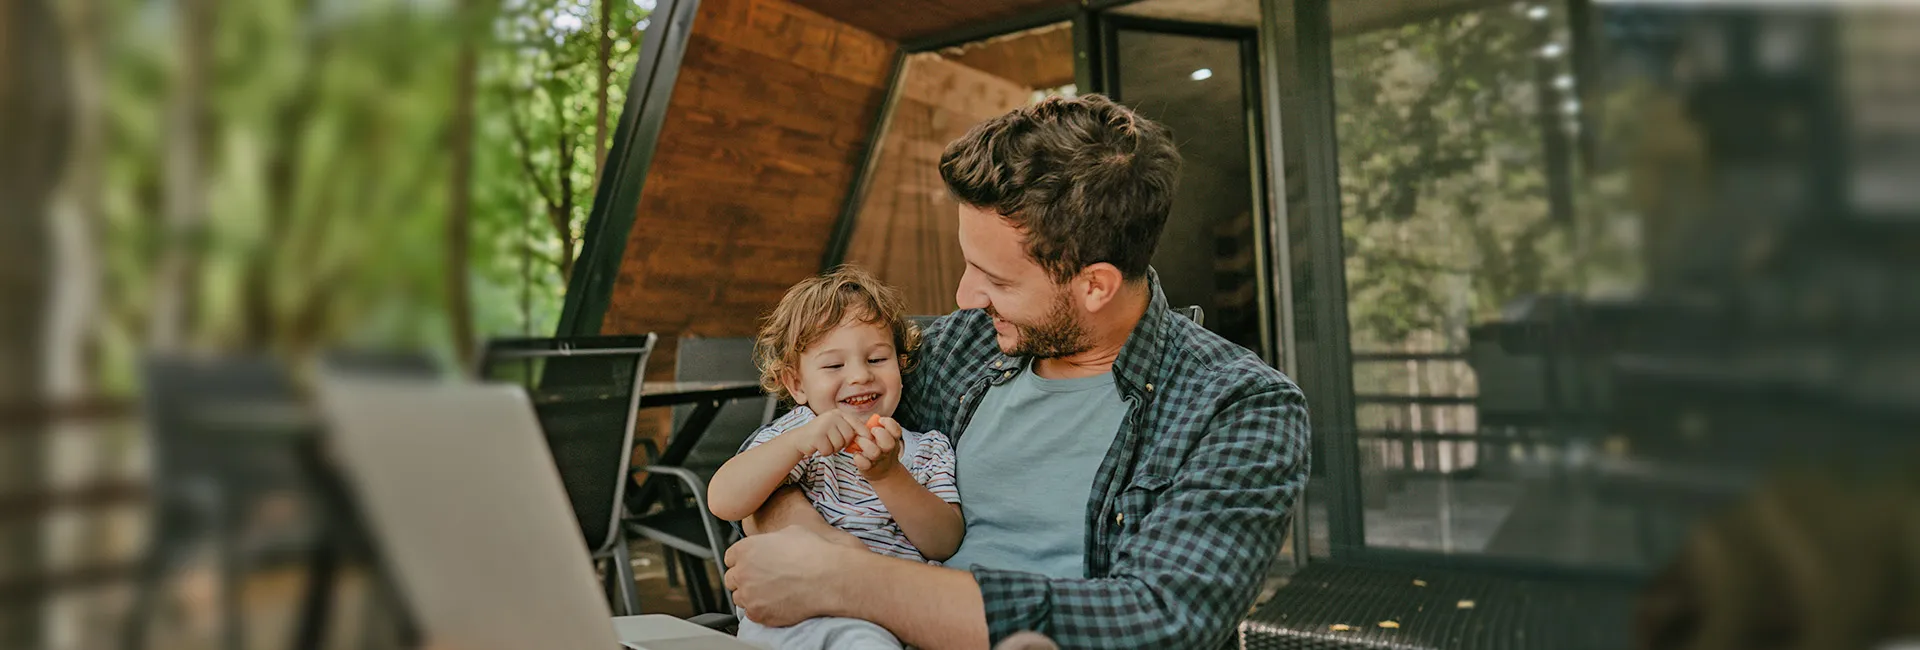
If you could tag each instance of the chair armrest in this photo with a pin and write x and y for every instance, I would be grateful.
(698, 486)
(686, 476)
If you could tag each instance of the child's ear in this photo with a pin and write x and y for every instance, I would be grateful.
(791, 381)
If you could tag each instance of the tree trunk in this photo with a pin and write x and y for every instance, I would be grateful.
(460, 205)
(603, 75)
(185, 213)
(33, 113)
(76, 212)
(562, 214)
(72, 313)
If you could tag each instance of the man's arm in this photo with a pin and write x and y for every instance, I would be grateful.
(926, 606)
(1187, 572)
(784, 577)
(788, 506)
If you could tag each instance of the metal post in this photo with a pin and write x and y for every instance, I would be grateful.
(616, 200)
(1330, 367)
(863, 176)
(1087, 54)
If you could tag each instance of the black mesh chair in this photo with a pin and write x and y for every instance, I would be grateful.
(679, 519)
(223, 436)
(585, 391)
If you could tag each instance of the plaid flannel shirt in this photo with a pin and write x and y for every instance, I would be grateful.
(1187, 510)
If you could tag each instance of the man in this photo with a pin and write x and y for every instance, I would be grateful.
(1125, 474)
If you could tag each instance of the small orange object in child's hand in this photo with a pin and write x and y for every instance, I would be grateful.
(873, 421)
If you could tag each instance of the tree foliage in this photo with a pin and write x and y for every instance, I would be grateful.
(323, 129)
(1443, 177)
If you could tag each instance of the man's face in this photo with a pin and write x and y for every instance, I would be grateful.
(1032, 316)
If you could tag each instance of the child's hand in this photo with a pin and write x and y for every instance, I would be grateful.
(826, 434)
(879, 454)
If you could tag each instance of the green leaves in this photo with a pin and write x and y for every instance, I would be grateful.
(325, 163)
(1442, 176)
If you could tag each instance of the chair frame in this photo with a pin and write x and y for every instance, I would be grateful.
(621, 586)
(716, 540)
(716, 533)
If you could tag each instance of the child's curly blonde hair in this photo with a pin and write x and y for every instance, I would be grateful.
(817, 305)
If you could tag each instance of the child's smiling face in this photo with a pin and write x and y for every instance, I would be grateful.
(854, 367)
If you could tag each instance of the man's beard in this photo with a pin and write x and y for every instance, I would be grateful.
(1059, 335)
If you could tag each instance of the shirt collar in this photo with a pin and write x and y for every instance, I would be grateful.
(1138, 367)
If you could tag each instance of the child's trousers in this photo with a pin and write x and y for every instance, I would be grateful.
(825, 633)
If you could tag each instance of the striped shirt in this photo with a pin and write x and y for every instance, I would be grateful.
(835, 487)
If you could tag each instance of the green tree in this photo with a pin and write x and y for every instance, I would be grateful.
(547, 92)
(284, 174)
(1444, 188)
(1444, 178)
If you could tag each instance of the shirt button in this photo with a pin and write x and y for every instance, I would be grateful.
(1149, 388)
(1120, 518)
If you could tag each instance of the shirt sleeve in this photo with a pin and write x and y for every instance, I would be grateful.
(1185, 573)
(798, 474)
(933, 466)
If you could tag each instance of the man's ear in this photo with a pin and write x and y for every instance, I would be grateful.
(1098, 285)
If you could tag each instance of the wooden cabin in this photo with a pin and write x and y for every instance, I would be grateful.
(766, 140)
(1400, 203)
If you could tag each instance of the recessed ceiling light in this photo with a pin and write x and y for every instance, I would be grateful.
(1203, 73)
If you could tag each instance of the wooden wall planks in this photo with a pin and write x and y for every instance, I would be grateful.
(905, 231)
(768, 121)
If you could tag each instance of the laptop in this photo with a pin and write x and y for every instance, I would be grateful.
(461, 495)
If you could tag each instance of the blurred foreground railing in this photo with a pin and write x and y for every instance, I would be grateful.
(74, 527)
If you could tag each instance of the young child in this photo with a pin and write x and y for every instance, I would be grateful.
(836, 346)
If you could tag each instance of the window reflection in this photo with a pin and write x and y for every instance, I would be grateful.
(1468, 221)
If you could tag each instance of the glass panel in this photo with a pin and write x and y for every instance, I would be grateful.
(1594, 294)
(1208, 254)
(1300, 259)
(1458, 184)
(905, 230)
(550, 91)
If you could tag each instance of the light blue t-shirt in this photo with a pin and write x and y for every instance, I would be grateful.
(1026, 466)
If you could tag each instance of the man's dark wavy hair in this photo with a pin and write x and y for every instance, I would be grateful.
(1087, 180)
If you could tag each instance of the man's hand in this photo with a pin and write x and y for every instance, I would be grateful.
(879, 453)
(826, 434)
(778, 578)
(846, 539)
